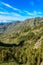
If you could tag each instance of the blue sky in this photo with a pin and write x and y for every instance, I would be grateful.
(20, 9)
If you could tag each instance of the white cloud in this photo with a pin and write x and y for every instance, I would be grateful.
(8, 18)
(6, 5)
(39, 12)
(13, 16)
(16, 16)
(1, 13)
(29, 13)
(11, 7)
(9, 14)
(5, 18)
(34, 13)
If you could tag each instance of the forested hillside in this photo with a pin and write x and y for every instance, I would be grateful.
(22, 44)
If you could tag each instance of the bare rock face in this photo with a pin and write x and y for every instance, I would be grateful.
(41, 63)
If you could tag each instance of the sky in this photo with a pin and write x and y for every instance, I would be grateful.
(20, 9)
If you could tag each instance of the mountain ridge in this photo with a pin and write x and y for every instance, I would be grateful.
(12, 25)
(22, 43)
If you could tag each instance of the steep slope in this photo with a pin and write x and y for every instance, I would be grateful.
(4, 26)
(22, 44)
(29, 22)
(16, 26)
(30, 29)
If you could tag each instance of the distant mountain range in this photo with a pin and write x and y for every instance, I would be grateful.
(14, 26)
(5, 26)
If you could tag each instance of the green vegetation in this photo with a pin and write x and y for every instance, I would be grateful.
(23, 47)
